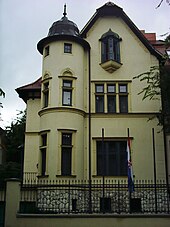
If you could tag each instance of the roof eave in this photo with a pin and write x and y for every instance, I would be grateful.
(114, 10)
(45, 41)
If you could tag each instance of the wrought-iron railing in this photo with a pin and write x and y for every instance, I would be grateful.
(110, 196)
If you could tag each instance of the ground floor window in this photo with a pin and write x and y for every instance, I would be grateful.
(43, 150)
(66, 154)
(111, 158)
(43, 161)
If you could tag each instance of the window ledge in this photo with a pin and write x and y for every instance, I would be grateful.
(111, 66)
(43, 176)
(65, 176)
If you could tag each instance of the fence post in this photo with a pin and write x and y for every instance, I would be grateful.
(12, 201)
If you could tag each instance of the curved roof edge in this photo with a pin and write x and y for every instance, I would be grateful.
(50, 39)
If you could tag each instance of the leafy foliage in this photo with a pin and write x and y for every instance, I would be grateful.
(15, 137)
(9, 170)
(152, 78)
(167, 1)
(2, 93)
(167, 41)
(14, 140)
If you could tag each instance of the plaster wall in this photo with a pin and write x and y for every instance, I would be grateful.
(57, 63)
(135, 59)
(142, 144)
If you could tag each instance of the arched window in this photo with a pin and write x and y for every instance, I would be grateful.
(110, 47)
(67, 83)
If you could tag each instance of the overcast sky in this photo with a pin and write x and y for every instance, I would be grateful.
(24, 23)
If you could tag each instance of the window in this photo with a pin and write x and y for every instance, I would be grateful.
(111, 98)
(43, 149)
(67, 48)
(45, 94)
(111, 158)
(123, 98)
(47, 51)
(66, 154)
(99, 98)
(67, 93)
(116, 96)
(110, 46)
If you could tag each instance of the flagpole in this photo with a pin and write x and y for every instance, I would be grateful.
(103, 170)
(128, 134)
(154, 166)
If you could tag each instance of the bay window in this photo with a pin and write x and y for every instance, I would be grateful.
(110, 51)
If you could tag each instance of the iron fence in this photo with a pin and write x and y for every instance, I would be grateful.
(108, 196)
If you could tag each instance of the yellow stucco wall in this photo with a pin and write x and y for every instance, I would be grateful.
(61, 121)
(32, 136)
(55, 66)
(135, 59)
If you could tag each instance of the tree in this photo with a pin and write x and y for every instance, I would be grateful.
(167, 1)
(15, 137)
(152, 79)
(14, 140)
(2, 93)
(156, 78)
(158, 86)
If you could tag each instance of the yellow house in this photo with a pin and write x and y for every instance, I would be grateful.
(85, 107)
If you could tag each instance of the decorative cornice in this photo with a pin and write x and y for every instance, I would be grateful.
(61, 109)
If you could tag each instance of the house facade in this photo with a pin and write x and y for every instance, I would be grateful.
(85, 107)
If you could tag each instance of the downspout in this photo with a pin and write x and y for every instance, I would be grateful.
(89, 115)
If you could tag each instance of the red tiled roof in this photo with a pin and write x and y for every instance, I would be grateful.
(32, 90)
(34, 85)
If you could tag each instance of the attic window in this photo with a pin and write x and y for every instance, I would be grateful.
(67, 48)
(110, 51)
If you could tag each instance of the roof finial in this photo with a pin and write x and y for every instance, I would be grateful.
(64, 14)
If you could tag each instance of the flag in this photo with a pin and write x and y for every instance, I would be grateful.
(129, 168)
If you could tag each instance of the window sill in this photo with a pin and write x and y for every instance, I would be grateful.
(43, 176)
(110, 176)
(110, 66)
(65, 176)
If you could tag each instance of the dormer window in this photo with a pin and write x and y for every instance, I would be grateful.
(110, 51)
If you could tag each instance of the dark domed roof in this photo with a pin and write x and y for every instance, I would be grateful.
(64, 27)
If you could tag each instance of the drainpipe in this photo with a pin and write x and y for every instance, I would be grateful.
(89, 115)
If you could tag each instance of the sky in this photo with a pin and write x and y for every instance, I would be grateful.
(24, 23)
